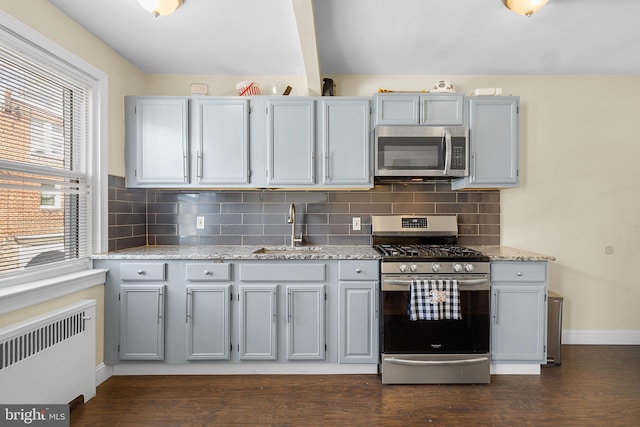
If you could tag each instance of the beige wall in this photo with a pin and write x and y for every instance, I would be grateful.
(578, 198)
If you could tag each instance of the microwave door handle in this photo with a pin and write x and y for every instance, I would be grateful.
(447, 151)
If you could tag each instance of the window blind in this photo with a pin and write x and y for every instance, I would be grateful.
(44, 188)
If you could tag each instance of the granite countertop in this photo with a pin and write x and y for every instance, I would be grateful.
(324, 252)
(244, 252)
(505, 253)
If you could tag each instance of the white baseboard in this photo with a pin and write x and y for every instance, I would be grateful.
(515, 369)
(601, 337)
(103, 372)
(241, 369)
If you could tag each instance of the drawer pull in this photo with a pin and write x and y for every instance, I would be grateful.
(358, 270)
(207, 273)
(519, 273)
(141, 272)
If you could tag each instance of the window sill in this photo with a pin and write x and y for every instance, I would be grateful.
(15, 297)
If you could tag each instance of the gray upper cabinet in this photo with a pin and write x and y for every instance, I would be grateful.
(345, 134)
(493, 142)
(215, 142)
(291, 130)
(220, 146)
(519, 311)
(431, 109)
(157, 141)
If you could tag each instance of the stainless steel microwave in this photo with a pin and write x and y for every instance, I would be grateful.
(421, 151)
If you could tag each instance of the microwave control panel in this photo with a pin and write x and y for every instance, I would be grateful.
(458, 154)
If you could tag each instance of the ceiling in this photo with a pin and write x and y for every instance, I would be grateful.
(442, 37)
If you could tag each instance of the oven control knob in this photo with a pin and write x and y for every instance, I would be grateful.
(403, 268)
(469, 267)
(457, 268)
(414, 267)
(436, 267)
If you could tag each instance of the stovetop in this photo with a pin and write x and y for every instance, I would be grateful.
(429, 252)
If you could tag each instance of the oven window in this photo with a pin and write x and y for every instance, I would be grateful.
(468, 335)
(410, 153)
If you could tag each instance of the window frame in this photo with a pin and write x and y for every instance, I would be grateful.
(17, 36)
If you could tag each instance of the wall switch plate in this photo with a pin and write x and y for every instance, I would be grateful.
(356, 224)
(200, 222)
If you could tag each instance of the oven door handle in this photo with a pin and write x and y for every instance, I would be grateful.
(460, 282)
(395, 361)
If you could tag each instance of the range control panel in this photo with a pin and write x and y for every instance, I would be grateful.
(414, 222)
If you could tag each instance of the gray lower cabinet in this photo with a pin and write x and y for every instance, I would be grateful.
(305, 313)
(208, 322)
(518, 311)
(140, 310)
(282, 298)
(208, 310)
(258, 322)
(358, 312)
(142, 322)
(197, 311)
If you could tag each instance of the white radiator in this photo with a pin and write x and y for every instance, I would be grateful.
(50, 359)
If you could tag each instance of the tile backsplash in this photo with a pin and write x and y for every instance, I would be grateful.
(139, 217)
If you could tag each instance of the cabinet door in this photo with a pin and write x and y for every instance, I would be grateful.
(305, 322)
(493, 141)
(442, 109)
(291, 141)
(258, 313)
(157, 141)
(221, 133)
(142, 322)
(394, 109)
(208, 322)
(358, 322)
(346, 141)
(519, 323)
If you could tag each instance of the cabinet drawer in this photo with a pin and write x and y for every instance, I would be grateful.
(278, 272)
(508, 271)
(358, 270)
(143, 271)
(208, 272)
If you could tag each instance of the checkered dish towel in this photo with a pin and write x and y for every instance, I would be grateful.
(434, 300)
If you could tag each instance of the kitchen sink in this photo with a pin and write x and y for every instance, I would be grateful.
(288, 249)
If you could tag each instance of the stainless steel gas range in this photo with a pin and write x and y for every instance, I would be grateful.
(435, 302)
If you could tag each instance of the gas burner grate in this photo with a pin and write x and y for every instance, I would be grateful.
(426, 251)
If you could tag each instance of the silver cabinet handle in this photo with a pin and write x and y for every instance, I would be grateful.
(199, 165)
(208, 273)
(358, 270)
(141, 272)
(519, 273)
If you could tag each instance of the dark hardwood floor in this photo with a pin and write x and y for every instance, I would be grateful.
(594, 386)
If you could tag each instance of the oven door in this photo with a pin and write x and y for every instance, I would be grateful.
(435, 351)
(421, 151)
(468, 335)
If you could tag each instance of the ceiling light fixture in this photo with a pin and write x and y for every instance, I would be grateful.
(160, 7)
(523, 7)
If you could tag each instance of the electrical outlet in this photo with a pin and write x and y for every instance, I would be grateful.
(356, 224)
(200, 222)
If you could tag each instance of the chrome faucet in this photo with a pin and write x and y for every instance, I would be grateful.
(292, 220)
